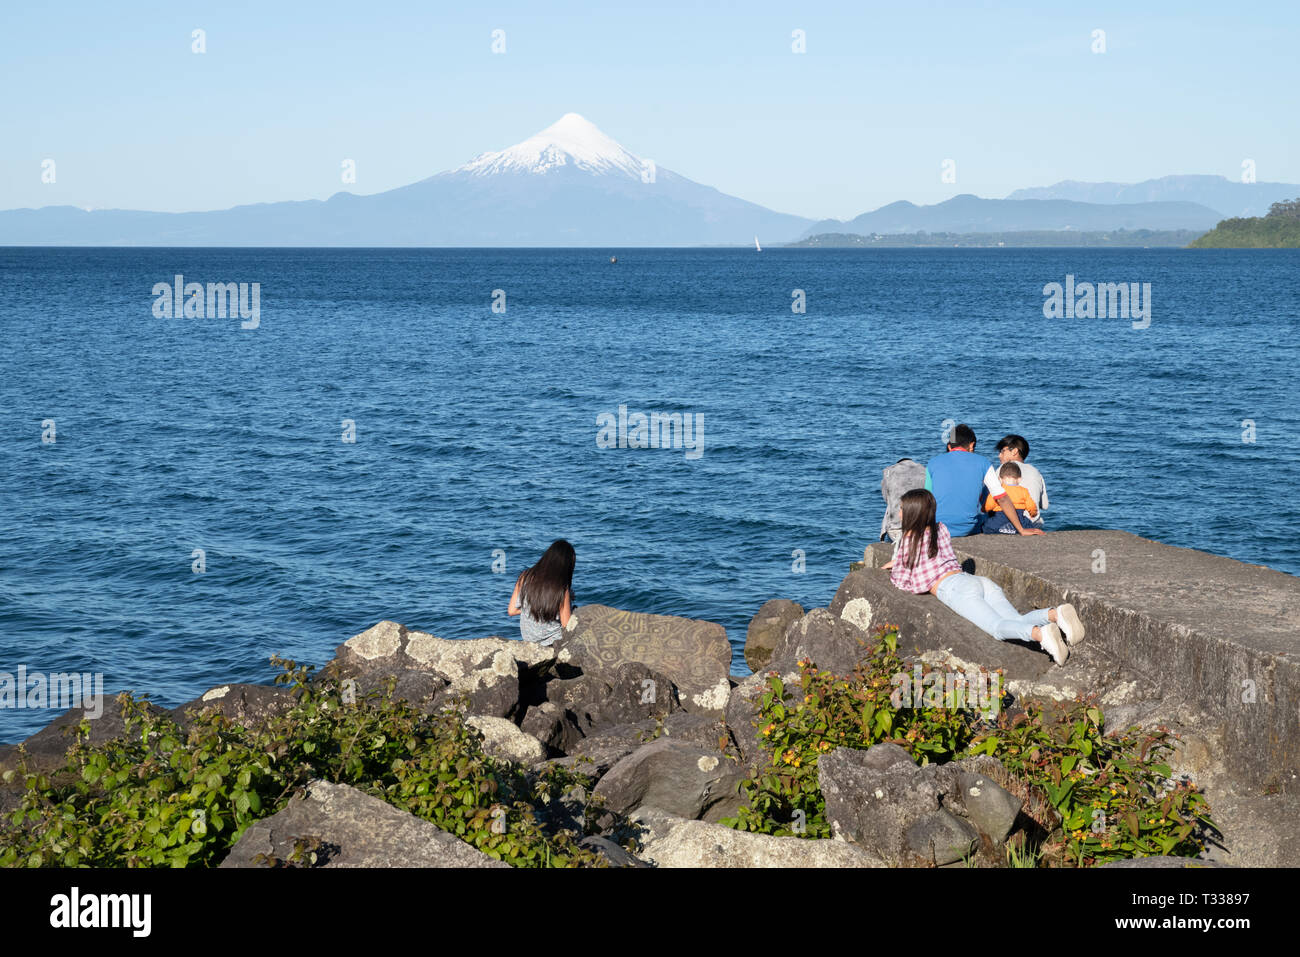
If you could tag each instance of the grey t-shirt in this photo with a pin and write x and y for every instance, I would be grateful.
(898, 478)
(530, 629)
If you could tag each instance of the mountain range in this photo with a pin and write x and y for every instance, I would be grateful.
(1223, 195)
(572, 185)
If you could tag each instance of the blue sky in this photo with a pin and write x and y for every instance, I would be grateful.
(1012, 92)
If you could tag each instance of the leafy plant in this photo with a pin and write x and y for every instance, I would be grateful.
(831, 711)
(167, 795)
(1112, 795)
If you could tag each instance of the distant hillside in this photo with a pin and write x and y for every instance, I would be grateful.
(1056, 237)
(1227, 197)
(1280, 229)
(970, 214)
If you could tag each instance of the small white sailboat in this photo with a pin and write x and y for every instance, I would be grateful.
(757, 247)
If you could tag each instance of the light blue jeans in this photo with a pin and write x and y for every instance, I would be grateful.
(980, 600)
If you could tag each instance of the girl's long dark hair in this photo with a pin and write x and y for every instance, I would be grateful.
(918, 515)
(545, 583)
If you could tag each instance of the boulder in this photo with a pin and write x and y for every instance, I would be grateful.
(501, 739)
(867, 600)
(430, 672)
(349, 828)
(671, 775)
(874, 796)
(630, 693)
(694, 655)
(832, 643)
(243, 704)
(767, 628)
(672, 841)
(552, 726)
(700, 730)
(596, 754)
(991, 808)
(941, 838)
(915, 816)
(616, 856)
(47, 749)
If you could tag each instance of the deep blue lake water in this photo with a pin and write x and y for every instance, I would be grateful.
(476, 432)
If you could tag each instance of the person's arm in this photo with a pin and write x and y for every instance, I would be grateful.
(514, 607)
(893, 557)
(929, 486)
(565, 611)
(1004, 502)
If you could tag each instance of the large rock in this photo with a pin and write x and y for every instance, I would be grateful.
(552, 726)
(992, 809)
(767, 628)
(671, 775)
(614, 854)
(501, 739)
(704, 732)
(243, 704)
(430, 672)
(349, 828)
(915, 816)
(867, 600)
(47, 749)
(874, 796)
(694, 655)
(671, 841)
(596, 754)
(832, 643)
(630, 693)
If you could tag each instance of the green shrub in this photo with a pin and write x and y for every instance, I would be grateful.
(852, 712)
(163, 795)
(1112, 794)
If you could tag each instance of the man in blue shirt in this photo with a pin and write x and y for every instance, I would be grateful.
(957, 479)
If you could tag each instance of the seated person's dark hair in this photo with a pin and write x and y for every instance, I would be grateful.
(962, 436)
(1016, 442)
(1009, 470)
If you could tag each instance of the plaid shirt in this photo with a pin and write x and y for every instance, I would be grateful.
(927, 570)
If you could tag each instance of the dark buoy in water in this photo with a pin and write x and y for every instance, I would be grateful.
(613, 259)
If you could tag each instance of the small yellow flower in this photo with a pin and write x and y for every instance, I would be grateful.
(769, 729)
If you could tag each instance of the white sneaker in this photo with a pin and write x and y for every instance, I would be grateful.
(1067, 619)
(1053, 643)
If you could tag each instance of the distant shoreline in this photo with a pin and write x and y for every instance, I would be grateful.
(1138, 238)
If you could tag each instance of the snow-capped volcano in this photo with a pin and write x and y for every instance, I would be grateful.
(572, 140)
(569, 185)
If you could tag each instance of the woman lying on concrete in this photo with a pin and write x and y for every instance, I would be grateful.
(924, 561)
(543, 595)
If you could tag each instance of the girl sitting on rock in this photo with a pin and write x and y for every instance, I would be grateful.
(924, 561)
(543, 595)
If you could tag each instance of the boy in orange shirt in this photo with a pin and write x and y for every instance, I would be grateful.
(997, 521)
